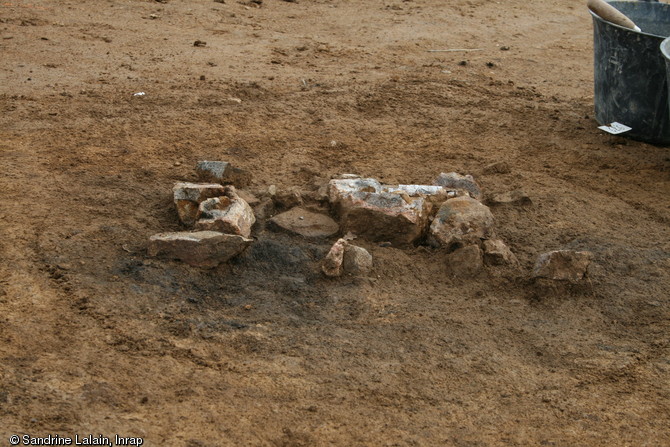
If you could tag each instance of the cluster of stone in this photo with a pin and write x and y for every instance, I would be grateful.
(220, 219)
(448, 214)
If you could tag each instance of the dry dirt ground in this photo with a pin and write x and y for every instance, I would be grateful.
(98, 338)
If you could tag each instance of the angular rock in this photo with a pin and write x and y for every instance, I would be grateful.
(227, 214)
(357, 260)
(287, 199)
(346, 176)
(200, 248)
(367, 210)
(305, 223)
(222, 172)
(264, 209)
(248, 197)
(188, 196)
(457, 181)
(332, 263)
(466, 261)
(563, 265)
(497, 253)
(431, 193)
(461, 221)
(516, 197)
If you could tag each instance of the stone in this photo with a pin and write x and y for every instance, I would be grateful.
(287, 199)
(497, 253)
(499, 167)
(228, 214)
(332, 263)
(366, 210)
(457, 181)
(346, 176)
(264, 209)
(222, 172)
(248, 197)
(563, 265)
(188, 196)
(200, 248)
(466, 261)
(305, 223)
(357, 260)
(516, 197)
(461, 221)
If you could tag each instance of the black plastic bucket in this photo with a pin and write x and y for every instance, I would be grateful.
(631, 84)
(665, 51)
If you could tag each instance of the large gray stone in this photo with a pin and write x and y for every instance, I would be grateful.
(563, 265)
(222, 172)
(457, 181)
(200, 248)
(227, 214)
(188, 196)
(369, 210)
(461, 221)
(305, 223)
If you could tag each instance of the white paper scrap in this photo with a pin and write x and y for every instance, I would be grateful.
(615, 128)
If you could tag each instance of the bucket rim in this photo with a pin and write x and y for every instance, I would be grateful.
(665, 48)
(597, 17)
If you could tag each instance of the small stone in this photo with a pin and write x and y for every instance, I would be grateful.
(346, 176)
(500, 167)
(227, 214)
(272, 190)
(200, 249)
(222, 172)
(466, 261)
(563, 265)
(188, 196)
(199, 43)
(458, 181)
(357, 260)
(497, 253)
(516, 197)
(288, 199)
(461, 221)
(264, 209)
(248, 197)
(332, 263)
(305, 223)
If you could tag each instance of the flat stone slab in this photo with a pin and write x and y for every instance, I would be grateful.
(198, 248)
(305, 223)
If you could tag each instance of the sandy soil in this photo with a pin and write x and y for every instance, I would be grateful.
(98, 338)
